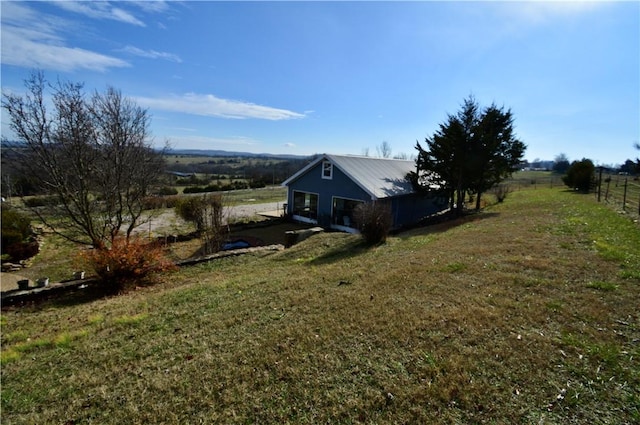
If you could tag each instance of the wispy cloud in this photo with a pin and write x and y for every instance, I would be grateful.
(290, 145)
(204, 142)
(151, 54)
(540, 12)
(32, 40)
(100, 10)
(210, 105)
(155, 6)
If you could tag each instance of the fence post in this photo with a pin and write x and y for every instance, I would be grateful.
(624, 197)
(599, 182)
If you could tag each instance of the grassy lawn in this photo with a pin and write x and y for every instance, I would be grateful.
(524, 313)
(256, 196)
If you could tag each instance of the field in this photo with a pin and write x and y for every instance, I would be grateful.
(524, 313)
(621, 192)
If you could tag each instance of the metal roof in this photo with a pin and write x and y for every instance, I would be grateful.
(379, 177)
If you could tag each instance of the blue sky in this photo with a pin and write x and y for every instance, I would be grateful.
(342, 77)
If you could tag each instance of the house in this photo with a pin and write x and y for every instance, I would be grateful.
(326, 191)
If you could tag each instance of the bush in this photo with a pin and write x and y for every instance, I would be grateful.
(22, 250)
(128, 262)
(41, 201)
(167, 190)
(581, 175)
(16, 229)
(157, 202)
(501, 191)
(374, 221)
(207, 213)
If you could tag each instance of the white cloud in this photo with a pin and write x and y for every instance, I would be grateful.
(100, 10)
(540, 12)
(31, 40)
(210, 105)
(290, 145)
(154, 6)
(151, 54)
(26, 48)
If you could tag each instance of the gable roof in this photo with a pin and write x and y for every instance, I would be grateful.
(379, 177)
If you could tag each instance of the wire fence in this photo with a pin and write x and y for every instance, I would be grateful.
(534, 180)
(620, 191)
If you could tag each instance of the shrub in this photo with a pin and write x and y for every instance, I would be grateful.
(21, 250)
(257, 184)
(501, 191)
(128, 262)
(41, 201)
(157, 202)
(374, 221)
(16, 229)
(208, 215)
(581, 175)
(167, 190)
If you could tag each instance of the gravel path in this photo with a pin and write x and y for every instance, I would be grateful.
(271, 209)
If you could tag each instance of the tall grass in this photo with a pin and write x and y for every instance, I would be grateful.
(501, 317)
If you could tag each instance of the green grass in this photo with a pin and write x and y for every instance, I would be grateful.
(500, 317)
(256, 196)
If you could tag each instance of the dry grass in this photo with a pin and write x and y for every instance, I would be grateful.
(525, 313)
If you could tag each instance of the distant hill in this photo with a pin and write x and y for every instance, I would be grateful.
(6, 144)
(215, 152)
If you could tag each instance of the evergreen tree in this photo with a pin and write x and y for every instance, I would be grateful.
(469, 153)
(581, 175)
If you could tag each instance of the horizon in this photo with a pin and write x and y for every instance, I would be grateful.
(221, 152)
(301, 78)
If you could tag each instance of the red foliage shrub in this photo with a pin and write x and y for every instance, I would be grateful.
(128, 262)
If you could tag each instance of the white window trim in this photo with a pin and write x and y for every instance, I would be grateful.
(338, 226)
(301, 218)
(330, 168)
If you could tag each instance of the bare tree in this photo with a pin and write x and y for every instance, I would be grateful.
(210, 216)
(384, 150)
(91, 155)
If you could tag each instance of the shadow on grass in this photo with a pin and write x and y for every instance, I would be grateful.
(66, 296)
(352, 248)
(86, 295)
(445, 223)
(578, 192)
(62, 296)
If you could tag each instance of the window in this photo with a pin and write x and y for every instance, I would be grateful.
(305, 205)
(343, 211)
(327, 170)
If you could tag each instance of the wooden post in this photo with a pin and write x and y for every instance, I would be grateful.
(624, 197)
(599, 182)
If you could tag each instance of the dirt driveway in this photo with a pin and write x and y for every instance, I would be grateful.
(167, 223)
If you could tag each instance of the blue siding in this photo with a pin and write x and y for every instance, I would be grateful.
(340, 185)
(411, 209)
(406, 209)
